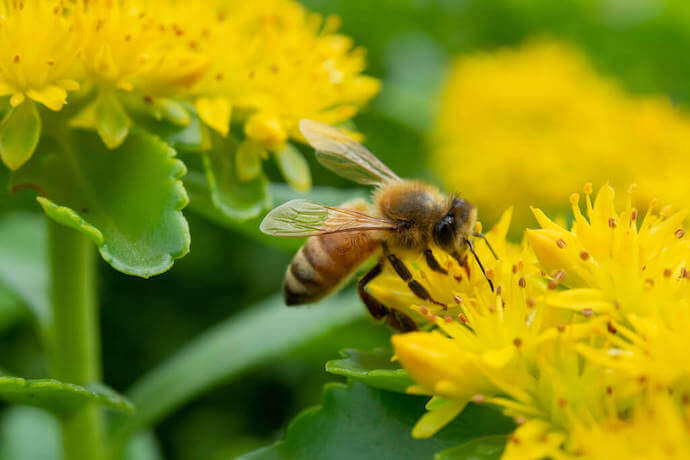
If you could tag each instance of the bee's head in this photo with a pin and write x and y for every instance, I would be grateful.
(455, 228)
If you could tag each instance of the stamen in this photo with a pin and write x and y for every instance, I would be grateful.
(680, 233)
(610, 327)
(584, 255)
(612, 222)
(667, 272)
(560, 242)
(517, 341)
(587, 312)
(478, 398)
(457, 299)
(448, 318)
(530, 302)
(462, 318)
(16, 59)
(522, 283)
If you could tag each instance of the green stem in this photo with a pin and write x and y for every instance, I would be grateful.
(76, 346)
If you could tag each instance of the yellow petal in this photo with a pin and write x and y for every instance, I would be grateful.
(5, 88)
(69, 85)
(439, 416)
(215, 112)
(266, 129)
(53, 97)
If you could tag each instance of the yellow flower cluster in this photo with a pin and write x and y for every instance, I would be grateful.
(270, 62)
(583, 342)
(512, 118)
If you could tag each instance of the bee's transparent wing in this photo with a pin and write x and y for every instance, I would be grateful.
(298, 218)
(345, 156)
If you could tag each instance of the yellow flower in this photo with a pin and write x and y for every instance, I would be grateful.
(611, 265)
(130, 46)
(585, 336)
(658, 429)
(286, 65)
(512, 118)
(38, 52)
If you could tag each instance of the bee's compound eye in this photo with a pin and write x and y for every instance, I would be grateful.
(444, 231)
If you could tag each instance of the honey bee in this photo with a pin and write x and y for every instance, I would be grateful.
(406, 215)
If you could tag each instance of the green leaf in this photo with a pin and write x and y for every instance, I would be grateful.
(193, 136)
(20, 130)
(59, 397)
(247, 340)
(294, 168)
(127, 200)
(200, 202)
(29, 433)
(248, 160)
(484, 448)
(357, 421)
(373, 368)
(112, 122)
(236, 199)
(24, 262)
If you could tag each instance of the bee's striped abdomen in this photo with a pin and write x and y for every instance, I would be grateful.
(324, 263)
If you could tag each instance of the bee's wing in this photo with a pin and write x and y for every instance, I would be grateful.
(345, 156)
(304, 218)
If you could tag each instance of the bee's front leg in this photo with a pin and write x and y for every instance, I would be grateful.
(414, 285)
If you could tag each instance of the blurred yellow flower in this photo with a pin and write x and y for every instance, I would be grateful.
(539, 121)
(38, 52)
(584, 335)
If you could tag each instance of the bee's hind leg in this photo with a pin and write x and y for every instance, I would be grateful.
(414, 285)
(397, 320)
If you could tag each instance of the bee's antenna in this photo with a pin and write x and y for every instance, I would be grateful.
(486, 240)
(481, 267)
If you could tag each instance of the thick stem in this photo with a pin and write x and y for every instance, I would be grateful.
(75, 340)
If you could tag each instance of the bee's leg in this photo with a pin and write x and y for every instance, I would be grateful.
(394, 318)
(433, 263)
(414, 285)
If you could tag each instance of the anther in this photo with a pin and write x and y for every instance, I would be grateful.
(457, 299)
(667, 272)
(633, 214)
(649, 282)
(611, 328)
(462, 318)
(517, 341)
(683, 273)
(612, 222)
(519, 420)
(680, 233)
(16, 58)
(530, 302)
(514, 268)
(587, 189)
(574, 198)
(458, 278)
(559, 275)
(560, 242)
(522, 283)
(50, 62)
(587, 312)
(584, 255)
(609, 390)
(553, 284)
(448, 318)
(499, 290)
(560, 328)
(562, 403)
(424, 310)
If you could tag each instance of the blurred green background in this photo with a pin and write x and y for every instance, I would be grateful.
(640, 43)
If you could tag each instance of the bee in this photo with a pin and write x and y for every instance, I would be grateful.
(406, 215)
